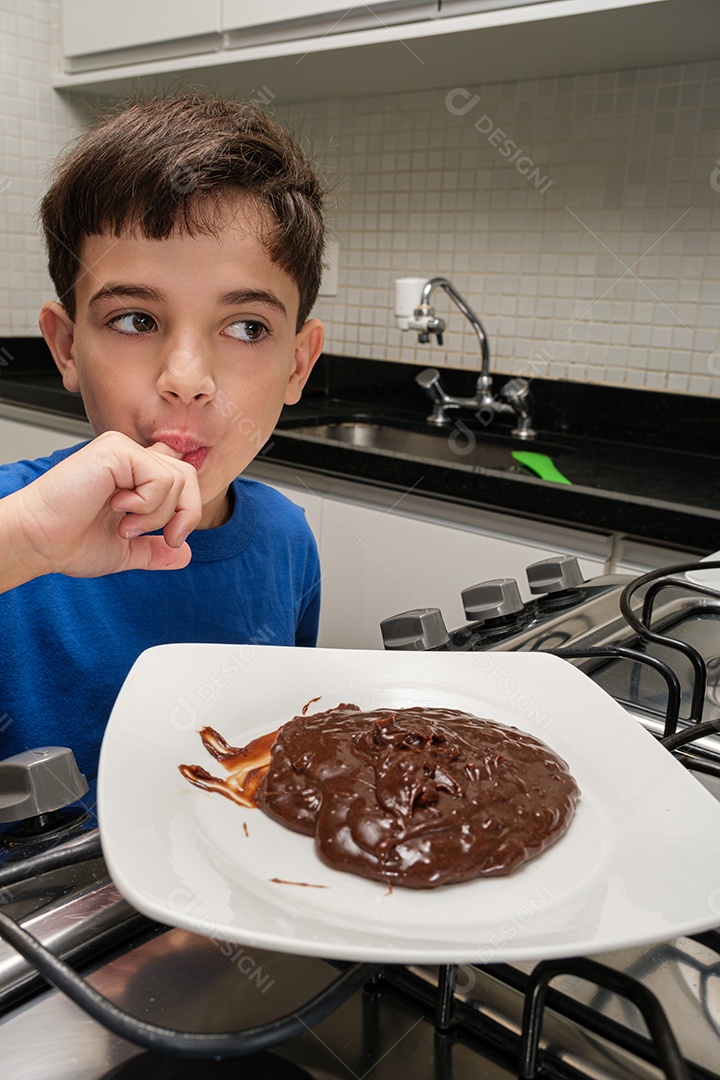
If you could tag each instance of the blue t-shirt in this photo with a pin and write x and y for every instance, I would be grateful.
(68, 643)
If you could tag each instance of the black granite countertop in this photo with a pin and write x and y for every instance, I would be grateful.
(639, 463)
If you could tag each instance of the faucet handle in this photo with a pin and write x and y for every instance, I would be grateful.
(516, 393)
(429, 381)
(428, 378)
(516, 390)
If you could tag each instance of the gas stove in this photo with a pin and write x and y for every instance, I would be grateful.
(651, 642)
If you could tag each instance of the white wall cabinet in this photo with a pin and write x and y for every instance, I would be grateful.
(238, 13)
(320, 49)
(335, 15)
(99, 35)
(90, 27)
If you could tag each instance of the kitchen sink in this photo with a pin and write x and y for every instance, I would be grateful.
(457, 446)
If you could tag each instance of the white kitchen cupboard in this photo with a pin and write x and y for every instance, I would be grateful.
(393, 50)
(25, 434)
(99, 34)
(237, 13)
(382, 554)
(294, 18)
(91, 28)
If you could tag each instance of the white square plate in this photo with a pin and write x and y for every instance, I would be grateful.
(709, 578)
(639, 863)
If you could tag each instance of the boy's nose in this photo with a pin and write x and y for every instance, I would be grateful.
(186, 375)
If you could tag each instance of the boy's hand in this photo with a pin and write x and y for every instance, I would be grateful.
(85, 517)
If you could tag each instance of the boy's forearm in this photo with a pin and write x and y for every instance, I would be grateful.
(19, 562)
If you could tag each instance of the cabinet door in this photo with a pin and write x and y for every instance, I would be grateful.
(96, 26)
(448, 8)
(19, 441)
(238, 13)
(335, 15)
(376, 564)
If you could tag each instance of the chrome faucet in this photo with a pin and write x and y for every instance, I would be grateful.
(513, 397)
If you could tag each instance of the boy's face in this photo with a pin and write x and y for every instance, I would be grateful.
(190, 341)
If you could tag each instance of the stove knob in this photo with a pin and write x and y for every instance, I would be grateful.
(418, 630)
(38, 782)
(554, 575)
(491, 599)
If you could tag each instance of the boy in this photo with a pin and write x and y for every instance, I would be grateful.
(185, 241)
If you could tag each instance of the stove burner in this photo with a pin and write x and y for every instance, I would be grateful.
(557, 601)
(43, 828)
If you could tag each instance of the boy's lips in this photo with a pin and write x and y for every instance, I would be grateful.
(196, 457)
(192, 451)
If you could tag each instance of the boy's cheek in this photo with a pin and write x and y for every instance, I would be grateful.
(224, 404)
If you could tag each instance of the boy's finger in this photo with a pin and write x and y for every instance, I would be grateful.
(172, 500)
(152, 553)
(165, 451)
(180, 526)
(153, 482)
(176, 520)
(189, 507)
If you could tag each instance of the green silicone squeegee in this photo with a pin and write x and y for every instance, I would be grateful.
(541, 464)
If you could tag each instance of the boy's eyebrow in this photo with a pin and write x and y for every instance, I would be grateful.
(116, 289)
(252, 296)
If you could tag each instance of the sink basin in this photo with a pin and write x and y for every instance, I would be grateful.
(454, 447)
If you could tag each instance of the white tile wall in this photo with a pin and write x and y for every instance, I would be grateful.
(34, 124)
(579, 216)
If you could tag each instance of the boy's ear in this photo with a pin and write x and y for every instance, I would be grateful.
(308, 346)
(58, 329)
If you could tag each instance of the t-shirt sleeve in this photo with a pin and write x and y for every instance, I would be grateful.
(306, 629)
(18, 474)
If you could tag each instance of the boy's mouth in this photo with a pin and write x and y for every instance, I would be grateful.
(196, 457)
(192, 451)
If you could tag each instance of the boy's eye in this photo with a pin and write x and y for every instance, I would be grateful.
(134, 322)
(249, 330)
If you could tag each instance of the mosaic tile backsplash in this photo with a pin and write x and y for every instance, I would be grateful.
(35, 123)
(579, 216)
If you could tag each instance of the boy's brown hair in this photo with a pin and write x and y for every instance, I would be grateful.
(166, 164)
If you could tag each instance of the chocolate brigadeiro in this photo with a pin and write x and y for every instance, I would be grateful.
(417, 797)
